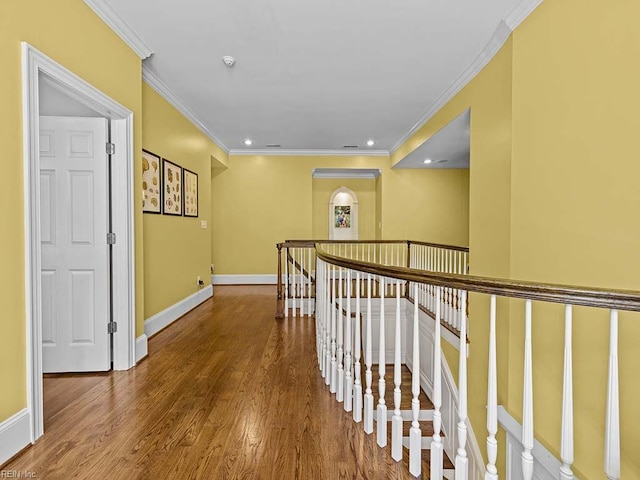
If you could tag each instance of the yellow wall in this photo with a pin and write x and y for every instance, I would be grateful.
(489, 97)
(552, 196)
(574, 200)
(176, 249)
(379, 202)
(365, 190)
(261, 200)
(430, 205)
(70, 33)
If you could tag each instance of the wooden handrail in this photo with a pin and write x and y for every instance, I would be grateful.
(565, 294)
(312, 243)
(439, 245)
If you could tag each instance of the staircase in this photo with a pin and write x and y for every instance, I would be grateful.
(382, 312)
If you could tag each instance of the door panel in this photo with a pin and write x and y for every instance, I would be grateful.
(49, 329)
(75, 254)
(82, 210)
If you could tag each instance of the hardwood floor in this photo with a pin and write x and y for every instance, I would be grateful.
(226, 393)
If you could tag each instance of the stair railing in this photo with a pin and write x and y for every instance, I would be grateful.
(338, 338)
(296, 279)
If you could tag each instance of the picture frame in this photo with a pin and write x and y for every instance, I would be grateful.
(151, 184)
(190, 191)
(342, 216)
(171, 188)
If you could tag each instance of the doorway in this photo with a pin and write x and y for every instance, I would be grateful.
(38, 68)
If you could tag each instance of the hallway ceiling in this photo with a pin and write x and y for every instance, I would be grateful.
(312, 75)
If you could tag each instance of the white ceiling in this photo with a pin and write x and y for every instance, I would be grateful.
(312, 75)
(448, 148)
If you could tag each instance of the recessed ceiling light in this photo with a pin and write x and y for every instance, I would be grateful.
(427, 161)
(370, 143)
(248, 142)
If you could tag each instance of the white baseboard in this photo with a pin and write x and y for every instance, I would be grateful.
(169, 315)
(258, 279)
(15, 434)
(545, 467)
(141, 347)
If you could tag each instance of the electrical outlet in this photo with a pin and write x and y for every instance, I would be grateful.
(212, 268)
(198, 280)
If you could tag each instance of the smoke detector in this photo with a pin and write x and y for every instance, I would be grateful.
(229, 61)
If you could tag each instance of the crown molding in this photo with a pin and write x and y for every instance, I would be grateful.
(497, 40)
(120, 27)
(346, 173)
(309, 153)
(521, 12)
(165, 92)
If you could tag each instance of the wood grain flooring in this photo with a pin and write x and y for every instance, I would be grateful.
(227, 392)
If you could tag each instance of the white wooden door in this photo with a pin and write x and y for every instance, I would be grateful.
(75, 254)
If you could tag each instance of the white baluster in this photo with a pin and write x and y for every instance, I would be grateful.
(334, 364)
(415, 434)
(462, 467)
(319, 330)
(368, 396)
(450, 310)
(431, 267)
(612, 428)
(436, 465)
(294, 281)
(382, 407)
(527, 398)
(492, 397)
(348, 385)
(320, 294)
(310, 304)
(303, 282)
(357, 347)
(301, 276)
(396, 420)
(286, 283)
(340, 332)
(327, 315)
(566, 439)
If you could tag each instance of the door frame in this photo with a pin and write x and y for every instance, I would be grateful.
(35, 63)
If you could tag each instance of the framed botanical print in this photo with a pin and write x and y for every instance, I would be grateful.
(171, 188)
(151, 188)
(190, 189)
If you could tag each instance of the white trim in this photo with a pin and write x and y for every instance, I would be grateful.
(521, 12)
(15, 434)
(279, 152)
(170, 314)
(35, 63)
(346, 173)
(151, 79)
(257, 279)
(141, 347)
(115, 22)
(495, 43)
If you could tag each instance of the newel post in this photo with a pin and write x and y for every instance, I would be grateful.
(279, 302)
